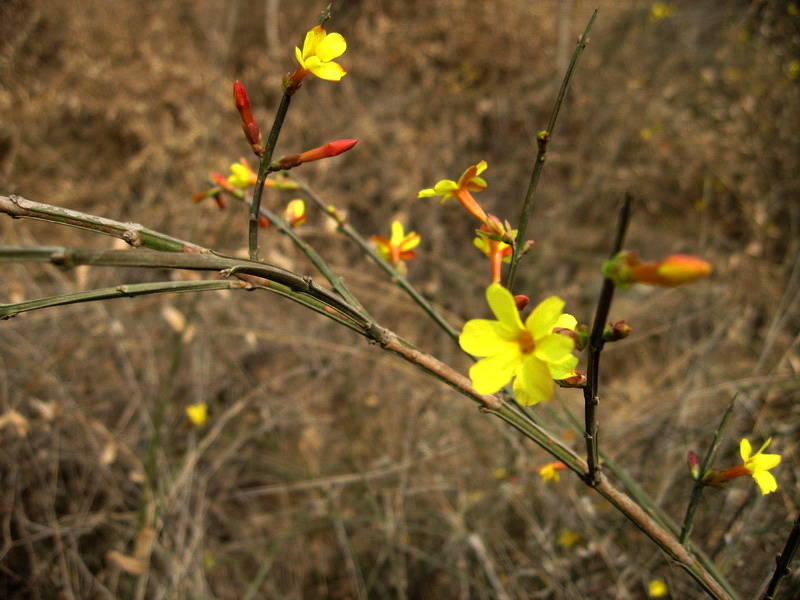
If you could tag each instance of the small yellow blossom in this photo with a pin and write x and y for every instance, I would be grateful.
(657, 588)
(549, 472)
(567, 538)
(295, 214)
(319, 50)
(197, 413)
(400, 247)
(468, 182)
(793, 70)
(531, 354)
(662, 10)
(757, 465)
(242, 175)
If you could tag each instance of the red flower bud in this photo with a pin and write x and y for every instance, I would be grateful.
(616, 331)
(694, 464)
(263, 222)
(249, 124)
(326, 151)
(521, 301)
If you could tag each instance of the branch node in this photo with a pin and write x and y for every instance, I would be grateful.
(133, 238)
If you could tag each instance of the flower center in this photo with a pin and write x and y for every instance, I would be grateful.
(526, 343)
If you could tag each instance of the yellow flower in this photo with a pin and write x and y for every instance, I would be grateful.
(319, 50)
(242, 175)
(657, 588)
(759, 465)
(399, 247)
(295, 214)
(549, 472)
(197, 413)
(567, 538)
(468, 182)
(531, 354)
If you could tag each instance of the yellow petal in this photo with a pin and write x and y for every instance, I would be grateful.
(566, 321)
(766, 482)
(745, 449)
(397, 233)
(331, 46)
(503, 306)
(544, 317)
(490, 374)
(553, 348)
(763, 462)
(410, 242)
(564, 368)
(533, 383)
(313, 38)
(299, 54)
(329, 71)
(482, 337)
(477, 184)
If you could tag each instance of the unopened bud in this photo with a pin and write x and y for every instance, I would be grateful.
(295, 214)
(263, 222)
(677, 269)
(576, 381)
(614, 332)
(326, 151)
(574, 334)
(249, 124)
(521, 301)
(694, 464)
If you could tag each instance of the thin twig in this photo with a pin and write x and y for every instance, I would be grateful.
(263, 168)
(783, 559)
(686, 530)
(543, 139)
(595, 347)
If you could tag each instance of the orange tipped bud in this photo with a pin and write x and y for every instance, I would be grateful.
(295, 214)
(521, 301)
(674, 270)
(263, 222)
(249, 124)
(326, 151)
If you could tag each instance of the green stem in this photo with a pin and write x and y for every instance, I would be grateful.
(387, 267)
(595, 347)
(263, 168)
(120, 291)
(686, 530)
(543, 139)
(134, 234)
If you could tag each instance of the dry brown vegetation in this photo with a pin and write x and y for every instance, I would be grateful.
(327, 469)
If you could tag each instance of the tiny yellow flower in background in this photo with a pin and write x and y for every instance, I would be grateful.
(549, 472)
(242, 175)
(197, 413)
(662, 10)
(531, 354)
(319, 50)
(399, 247)
(468, 182)
(567, 538)
(657, 588)
(295, 214)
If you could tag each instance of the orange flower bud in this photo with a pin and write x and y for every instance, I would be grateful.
(249, 124)
(521, 301)
(263, 222)
(694, 464)
(674, 270)
(576, 381)
(326, 151)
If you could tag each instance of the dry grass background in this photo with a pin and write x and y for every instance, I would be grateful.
(328, 470)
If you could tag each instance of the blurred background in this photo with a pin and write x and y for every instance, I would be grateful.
(327, 469)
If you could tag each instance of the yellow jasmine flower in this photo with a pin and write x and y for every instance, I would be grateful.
(498, 252)
(295, 214)
(531, 354)
(319, 50)
(242, 175)
(657, 588)
(399, 247)
(549, 472)
(759, 464)
(567, 538)
(468, 182)
(197, 413)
